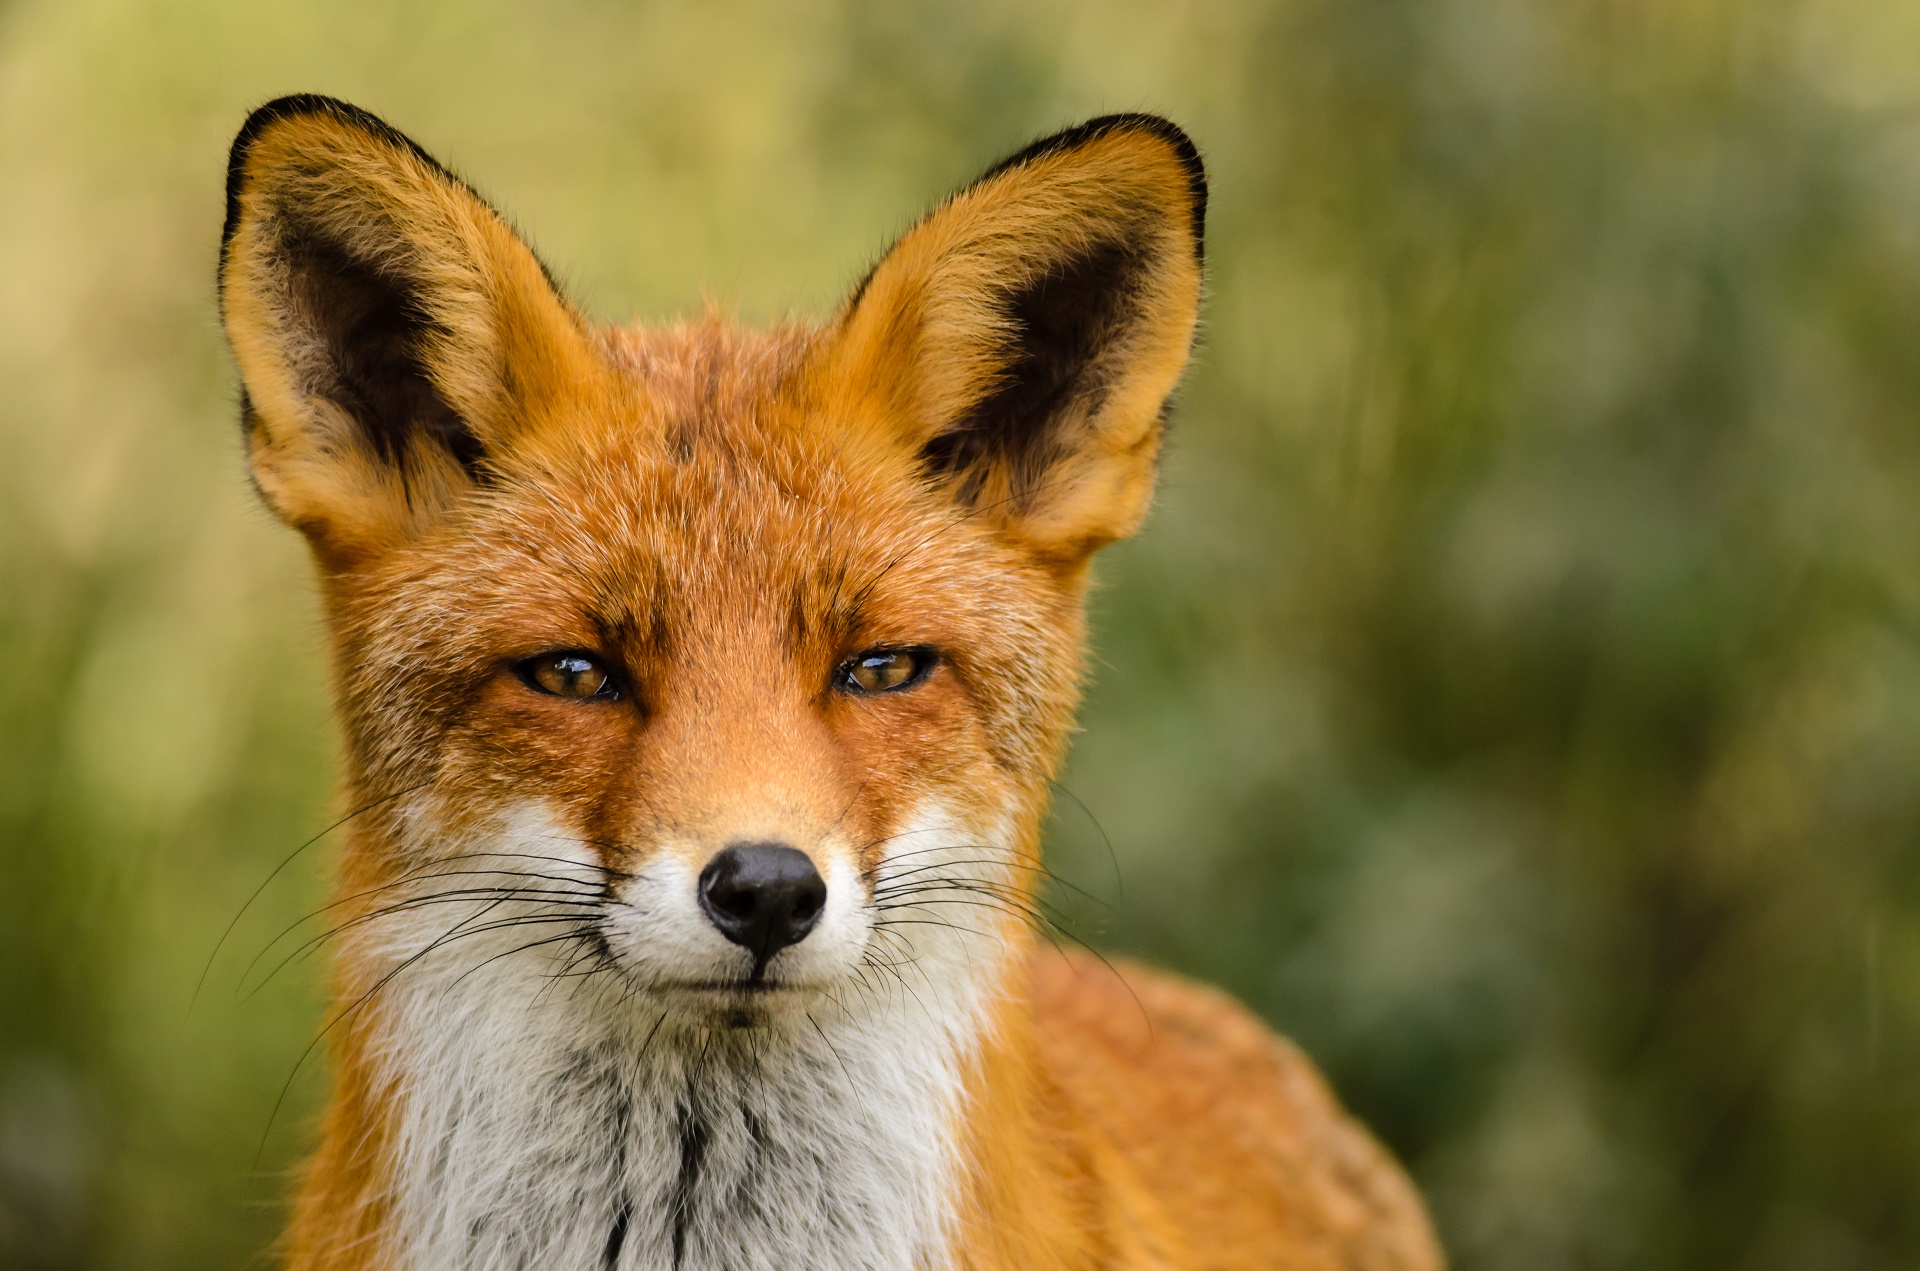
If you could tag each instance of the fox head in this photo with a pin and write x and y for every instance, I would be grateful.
(707, 658)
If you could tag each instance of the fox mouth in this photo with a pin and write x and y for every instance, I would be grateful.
(735, 1004)
(729, 986)
(733, 988)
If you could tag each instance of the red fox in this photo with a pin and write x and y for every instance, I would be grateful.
(701, 691)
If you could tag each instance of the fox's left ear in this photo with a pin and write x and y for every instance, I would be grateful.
(1020, 343)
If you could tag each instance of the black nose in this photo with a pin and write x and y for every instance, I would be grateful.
(762, 896)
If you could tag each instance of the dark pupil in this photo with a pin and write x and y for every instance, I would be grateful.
(571, 672)
(885, 670)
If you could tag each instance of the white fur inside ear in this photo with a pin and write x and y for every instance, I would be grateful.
(540, 1113)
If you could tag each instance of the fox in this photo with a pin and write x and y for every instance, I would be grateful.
(701, 692)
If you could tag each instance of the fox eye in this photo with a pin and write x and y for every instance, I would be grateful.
(884, 670)
(575, 675)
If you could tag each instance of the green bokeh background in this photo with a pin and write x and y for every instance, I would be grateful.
(1515, 696)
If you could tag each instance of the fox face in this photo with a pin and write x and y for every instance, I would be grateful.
(716, 663)
(757, 695)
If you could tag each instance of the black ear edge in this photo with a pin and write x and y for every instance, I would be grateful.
(1157, 126)
(295, 105)
(1072, 138)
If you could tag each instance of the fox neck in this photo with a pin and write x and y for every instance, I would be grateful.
(577, 1132)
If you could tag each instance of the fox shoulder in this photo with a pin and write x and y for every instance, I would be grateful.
(1226, 1124)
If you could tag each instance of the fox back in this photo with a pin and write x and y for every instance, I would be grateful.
(701, 691)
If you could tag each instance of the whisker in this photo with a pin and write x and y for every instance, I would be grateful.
(374, 891)
(350, 1011)
(1113, 858)
(499, 895)
(1029, 866)
(830, 1046)
(1011, 903)
(482, 965)
(540, 856)
(221, 942)
(1048, 923)
(883, 897)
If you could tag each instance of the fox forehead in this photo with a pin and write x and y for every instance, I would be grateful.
(712, 501)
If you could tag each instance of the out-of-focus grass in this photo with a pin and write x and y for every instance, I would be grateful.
(1516, 696)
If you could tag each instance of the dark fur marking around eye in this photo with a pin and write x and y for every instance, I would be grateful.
(827, 607)
(799, 619)
(373, 327)
(1062, 322)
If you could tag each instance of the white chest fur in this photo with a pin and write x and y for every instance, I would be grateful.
(544, 1126)
(558, 1122)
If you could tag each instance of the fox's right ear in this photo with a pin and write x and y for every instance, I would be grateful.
(393, 334)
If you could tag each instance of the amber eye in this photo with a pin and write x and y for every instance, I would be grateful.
(574, 675)
(884, 670)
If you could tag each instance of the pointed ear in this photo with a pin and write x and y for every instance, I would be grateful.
(1021, 341)
(393, 335)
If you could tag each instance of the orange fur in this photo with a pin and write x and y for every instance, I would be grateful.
(723, 518)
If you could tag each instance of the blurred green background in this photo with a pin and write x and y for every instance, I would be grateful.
(1515, 697)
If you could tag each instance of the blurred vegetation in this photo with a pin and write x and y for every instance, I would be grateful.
(1516, 696)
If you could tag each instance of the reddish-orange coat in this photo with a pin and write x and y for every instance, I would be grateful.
(719, 520)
